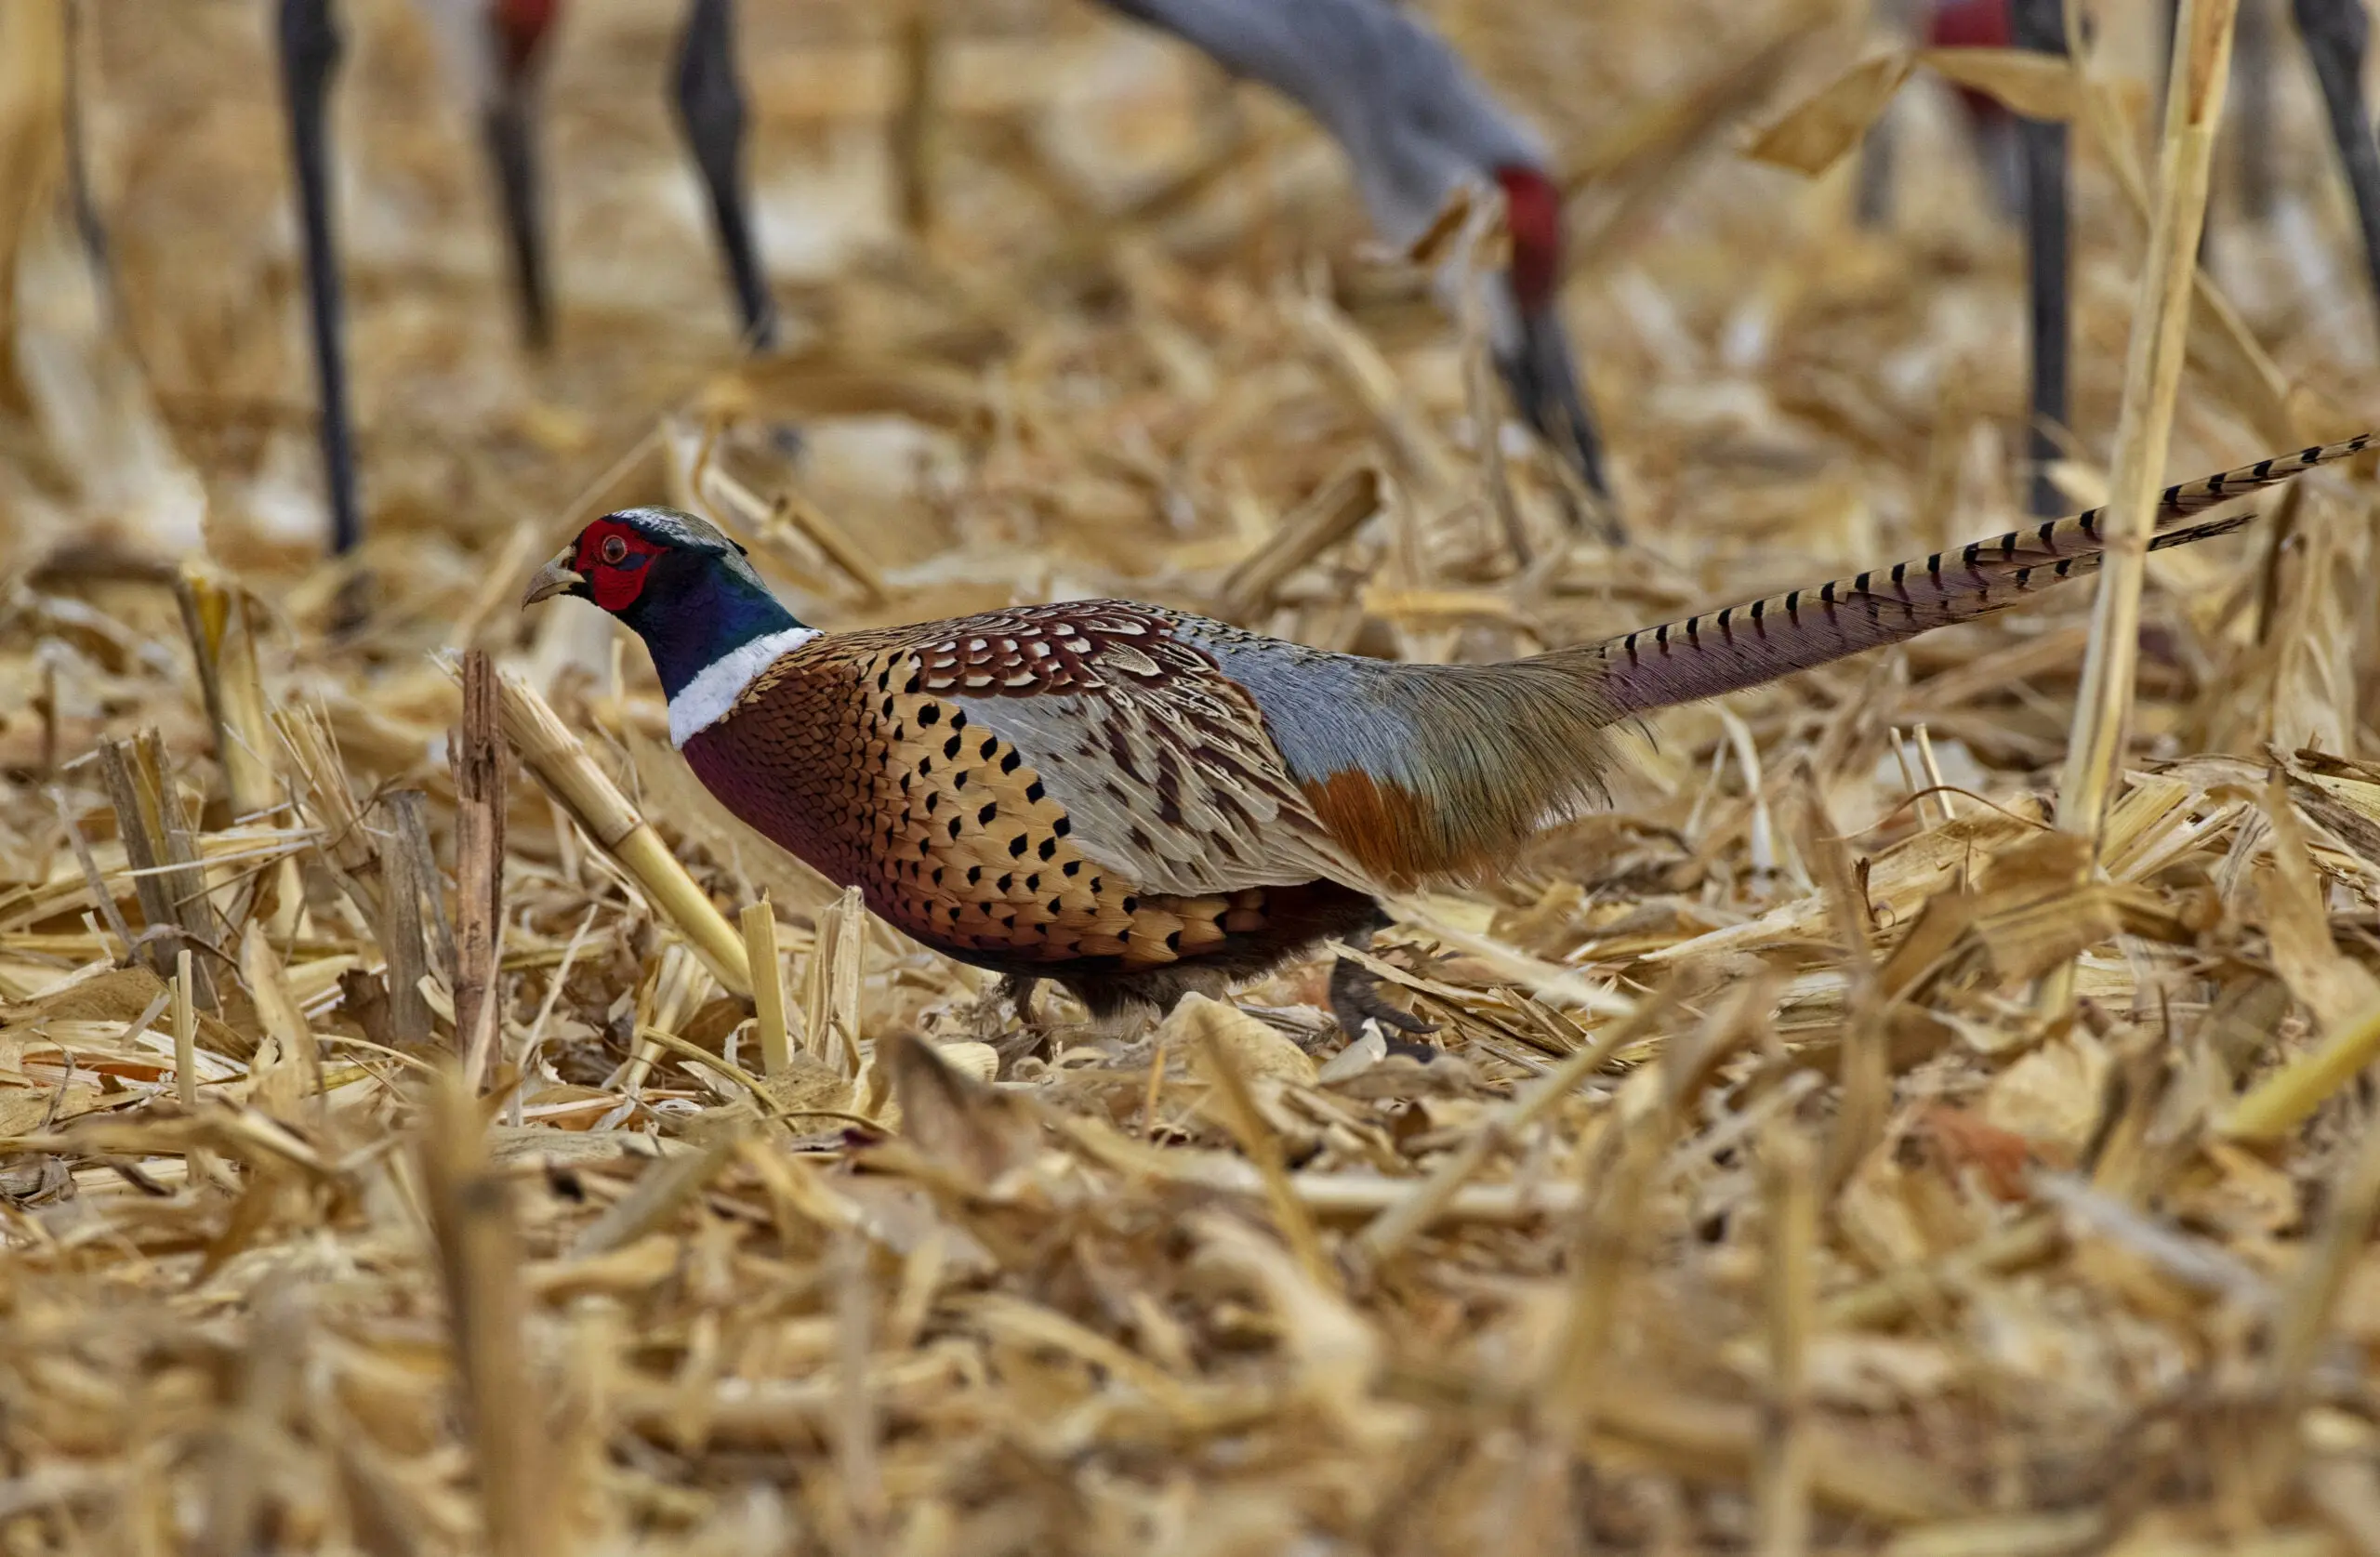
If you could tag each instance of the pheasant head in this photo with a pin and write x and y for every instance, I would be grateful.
(708, 621)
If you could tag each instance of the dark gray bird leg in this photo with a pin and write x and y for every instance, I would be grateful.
(1355, 996)
(2336, 32)
(2251, 108)
(2041, 25)
(1016, 990)
(1015, 994)
(308, 41)
(509, 129)
(710, 109)
(1873, 203)
(88, 225)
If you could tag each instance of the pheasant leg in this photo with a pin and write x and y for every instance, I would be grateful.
(1356, 997)
(1014, 993)
(1018, 990)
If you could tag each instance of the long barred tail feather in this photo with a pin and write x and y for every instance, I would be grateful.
(1745, 645)
(1438, 771)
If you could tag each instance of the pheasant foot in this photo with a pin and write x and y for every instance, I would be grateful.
(1355, 997)
(1033, 1031)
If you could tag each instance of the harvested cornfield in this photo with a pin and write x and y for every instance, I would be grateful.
(429, 1123)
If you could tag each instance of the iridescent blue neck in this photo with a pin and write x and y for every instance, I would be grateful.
(694, 612)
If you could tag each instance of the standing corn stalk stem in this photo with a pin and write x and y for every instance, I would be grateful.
(560, 763)
(479, 869)
(760, 926)
(2152, 378)
(1781, 1468)
(477, 1244)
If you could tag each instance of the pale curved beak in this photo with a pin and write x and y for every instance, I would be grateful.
(557, 577)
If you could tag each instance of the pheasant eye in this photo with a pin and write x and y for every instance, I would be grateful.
(616, 550)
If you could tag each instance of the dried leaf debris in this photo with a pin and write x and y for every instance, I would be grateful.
(429, 1124)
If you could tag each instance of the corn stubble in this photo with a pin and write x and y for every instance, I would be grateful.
(374, 1179)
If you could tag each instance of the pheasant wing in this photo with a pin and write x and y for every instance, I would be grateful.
(1163, 765)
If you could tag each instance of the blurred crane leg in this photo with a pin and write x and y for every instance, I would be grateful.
(2336, 33)
(1871, 204)
(88, 225)
(2251, 108)
(710, 107)
(510, 129)
(307, 38)
(2041, 25)
(1543, 376)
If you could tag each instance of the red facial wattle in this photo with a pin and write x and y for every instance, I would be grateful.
(521, 27)
(615, 575)
(1971, 24)
(1533, 217)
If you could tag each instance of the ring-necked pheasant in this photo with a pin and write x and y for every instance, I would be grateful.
(1137, 802)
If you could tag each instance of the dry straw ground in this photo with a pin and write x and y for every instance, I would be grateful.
(1768, 1196)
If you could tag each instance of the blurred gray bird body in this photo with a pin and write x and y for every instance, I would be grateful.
(1413, 120)
(466, 44)
(1416, 125)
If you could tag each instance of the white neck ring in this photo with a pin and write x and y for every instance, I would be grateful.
(716, 689)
